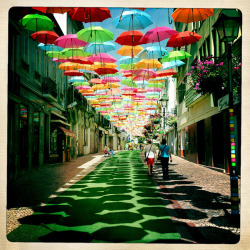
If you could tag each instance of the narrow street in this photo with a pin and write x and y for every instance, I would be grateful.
(112, 200)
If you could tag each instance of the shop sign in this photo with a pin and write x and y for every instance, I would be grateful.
(223, 102)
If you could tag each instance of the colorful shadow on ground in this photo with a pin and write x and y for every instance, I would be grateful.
(116, 203)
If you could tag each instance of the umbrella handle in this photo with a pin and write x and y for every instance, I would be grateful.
(121, 15)
(169, 19)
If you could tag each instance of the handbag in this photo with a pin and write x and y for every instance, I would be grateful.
(159, 156)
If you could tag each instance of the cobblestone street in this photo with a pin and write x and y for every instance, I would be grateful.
(196, 197)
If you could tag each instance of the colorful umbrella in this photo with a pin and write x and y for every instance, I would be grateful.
(77, 79)
(189, 15)
(132, 20)
(175, 55)
(88, 15)
(167, 72)
(129, 50)
(111, 79)
(99, 47)
(106, 65)
(95, 34)
(70, 41)
(46, 37)
(59, 10)
(153, 52)
(103, 58)
(75, 52)
(107, 71)
(172, 64)
(49, 47)
(36, 22)
(183, 39)
(56, 54)
(127, 66)
(128, 82)
(130, 38)
(80, 60)
(129, 60)
(69, 66)
(157, 34)
(72, 73)
(145, 73)
(148, 64)
(96, 81)
(114, 91)
(99, 87)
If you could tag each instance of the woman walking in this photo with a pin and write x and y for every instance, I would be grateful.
(165, 154)
(150, 153)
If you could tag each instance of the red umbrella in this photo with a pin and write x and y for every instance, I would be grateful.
(59, 10)
(130, 38)
(105, 71)
(46, 37)
(168, 72)
(72, 73)
(88, 15)
(182, 39)
(80, 60)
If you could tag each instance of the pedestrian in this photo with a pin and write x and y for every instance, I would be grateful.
(150, 155)
(111, 152)
(126, 146)
(164, 155)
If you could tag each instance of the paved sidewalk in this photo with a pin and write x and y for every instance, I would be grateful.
(200, 201)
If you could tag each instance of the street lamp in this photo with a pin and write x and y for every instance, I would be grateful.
(227, 26)
(163, 101)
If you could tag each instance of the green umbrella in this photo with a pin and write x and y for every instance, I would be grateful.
(75, 52)
(129, 83)
(56, 54)
(175, 55)
(127, 66)
(95, 34)
(117, 106)
(155, 85)
(36, 22)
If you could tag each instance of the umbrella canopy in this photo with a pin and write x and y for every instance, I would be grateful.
(111, 79)
(157, 34)
(36, 22)
(105, 65)
(150, 103)
(127, 66)
(77, 79)
(167, 72)
(128, 82)
(96, 81)
(83, 87)
(56, 54)
(114, 91)
(153, 52)
(155, 85)
(99, 87)
(103, 58)
(172, 64)
(103, 71)
(175, 55)
(132, 20)
(70, 41)
(189, 15)
(72, 73)
(129, 50)
(49, 47)
(60, 60)
(75, 52)
(183, 38)
(88, 15)
(129, 60)
(95, 34)
(99, 47)
(80, 60)
(59, 10)
(69, 66)
(46, 37)
(130, 38)
(148, 64)
(80, 83)
(145, 73)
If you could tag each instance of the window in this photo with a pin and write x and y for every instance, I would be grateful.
(181, 92)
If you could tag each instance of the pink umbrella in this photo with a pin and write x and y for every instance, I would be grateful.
(96, 81)
(157, 34)
(103, 58)
(113, 91)
(59, 60)
(83, 87)
(69, 41)
(128, 88)
(123, 71)
(111, 79)
(154, 90)
(139, 96)
(127, 106)
(114, 98)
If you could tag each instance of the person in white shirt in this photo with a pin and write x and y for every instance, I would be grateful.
(150, 155)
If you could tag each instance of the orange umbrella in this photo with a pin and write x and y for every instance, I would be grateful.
(189, 15)
(80, 59)
(99, 87)
(69, 66)
(148, 64)
(129, 50)
(168, 72)
(104, 65)
(96, 81)
(113, 85)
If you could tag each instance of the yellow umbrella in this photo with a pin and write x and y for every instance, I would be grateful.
(137, 103)
(113, 85)
(87, 67)
(155, 80)
(99, 87)
(94, 102)
(148, 64)
(105, 65)
(151, 103)
(86, 91)
(127, 50)
(69, 66)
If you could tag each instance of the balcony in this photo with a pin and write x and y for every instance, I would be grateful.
(49, 89)
(191, 96)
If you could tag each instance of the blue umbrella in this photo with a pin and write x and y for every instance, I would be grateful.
(153, 52)
(129, 60)
(172, 64)
(50, 47)
(132, 20)
(77, 79)
(99, 47)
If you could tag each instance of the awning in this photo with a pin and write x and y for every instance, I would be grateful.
(68, 132)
